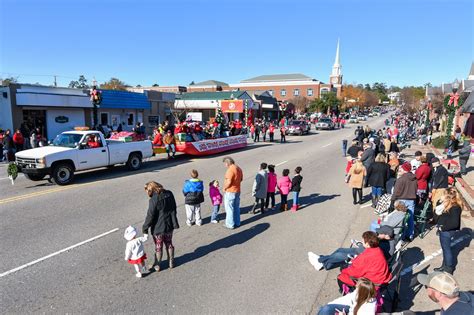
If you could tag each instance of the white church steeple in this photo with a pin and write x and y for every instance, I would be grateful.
(336, 75)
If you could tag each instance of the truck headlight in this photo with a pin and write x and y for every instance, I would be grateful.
(41, 163)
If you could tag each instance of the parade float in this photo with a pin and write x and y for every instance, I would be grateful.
(216, 137)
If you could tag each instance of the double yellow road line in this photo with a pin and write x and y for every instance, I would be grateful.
(44, 192)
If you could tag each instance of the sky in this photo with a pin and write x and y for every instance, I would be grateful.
(398, 42)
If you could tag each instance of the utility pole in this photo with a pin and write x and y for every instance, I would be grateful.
(55, 82)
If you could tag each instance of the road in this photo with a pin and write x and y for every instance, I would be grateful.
(260, 267)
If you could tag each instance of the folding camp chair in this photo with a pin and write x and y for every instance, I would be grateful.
(421, 219)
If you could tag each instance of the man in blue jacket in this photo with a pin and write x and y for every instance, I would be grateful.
(193, 197)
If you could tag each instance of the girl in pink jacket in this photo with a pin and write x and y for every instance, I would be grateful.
(284, 187)
(216, 199)
(271, 187)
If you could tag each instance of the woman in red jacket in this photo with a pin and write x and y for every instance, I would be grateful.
(370, 264)
(422, 175)
(18, 140)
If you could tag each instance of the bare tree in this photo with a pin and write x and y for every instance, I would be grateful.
(300, 102)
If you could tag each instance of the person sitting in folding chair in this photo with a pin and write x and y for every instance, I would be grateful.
(339, 257)
(370, 264)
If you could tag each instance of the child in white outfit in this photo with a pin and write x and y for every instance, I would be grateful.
(134, 251)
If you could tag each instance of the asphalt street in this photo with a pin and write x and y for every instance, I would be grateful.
(260, 267)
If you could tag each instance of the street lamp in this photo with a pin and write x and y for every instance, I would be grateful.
(96, 99)
(451, 105)
(429, 106)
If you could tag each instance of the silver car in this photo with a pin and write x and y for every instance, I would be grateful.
(325, 124)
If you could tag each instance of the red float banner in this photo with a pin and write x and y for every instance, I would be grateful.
(232, 106)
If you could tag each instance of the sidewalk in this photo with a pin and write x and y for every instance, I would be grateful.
(422, 255)
(465, 185)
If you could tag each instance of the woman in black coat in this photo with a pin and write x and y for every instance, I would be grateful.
(161, 220)
(377, 176)
(448, 221)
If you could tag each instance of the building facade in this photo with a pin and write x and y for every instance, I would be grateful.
(208, 86)
(51, 109)
(205, 104)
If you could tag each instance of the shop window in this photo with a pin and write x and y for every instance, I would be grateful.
(130, 119)
(310, 92)
(324, 91)
(104, 119)
(296, 92)
(283, 92)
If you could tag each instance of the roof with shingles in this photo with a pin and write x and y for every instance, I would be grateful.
(468, 106)
(279, 77)
(210, 82)
(224, 95)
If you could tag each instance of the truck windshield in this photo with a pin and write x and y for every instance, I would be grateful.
(68, 140)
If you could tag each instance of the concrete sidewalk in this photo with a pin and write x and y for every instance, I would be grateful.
(424, 254)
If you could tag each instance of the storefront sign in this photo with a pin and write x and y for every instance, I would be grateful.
(154, 120)
(61, 119)
(209, 145)
(232, 106)
(194, 116)
(267, 106)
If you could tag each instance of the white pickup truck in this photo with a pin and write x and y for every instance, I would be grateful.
(74, 151)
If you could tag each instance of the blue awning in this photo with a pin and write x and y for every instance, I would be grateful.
(124, 100)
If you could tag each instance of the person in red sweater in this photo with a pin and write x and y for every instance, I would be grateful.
(370, 264)
(422, 175)
(18, 140)
(158, 139)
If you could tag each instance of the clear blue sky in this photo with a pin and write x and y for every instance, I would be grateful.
(400, 42)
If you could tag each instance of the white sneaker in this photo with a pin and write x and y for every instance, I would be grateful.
(188, 223)
(198, 223)
(214, 221)
(138, 275)
(314, 260)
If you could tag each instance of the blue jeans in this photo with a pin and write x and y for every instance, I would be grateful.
(410, 204)
(296, 195)
(377, 191)
(330, 309)
(337, 258)
(232, 209)
(445, 240)
(215, 212)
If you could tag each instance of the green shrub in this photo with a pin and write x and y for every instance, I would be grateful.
(439, 142)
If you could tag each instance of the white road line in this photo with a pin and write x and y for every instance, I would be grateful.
(365, 206)
(56, 253)
(428, 258)
(327, 145)
(281, 163)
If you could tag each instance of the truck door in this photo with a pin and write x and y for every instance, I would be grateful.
(92, 152)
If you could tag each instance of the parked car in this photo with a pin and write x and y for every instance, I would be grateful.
(361, 118)
(353, 120)
(74, 151)
(298, 127)
(325, 123)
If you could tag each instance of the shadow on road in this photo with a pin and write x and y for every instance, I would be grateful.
(306, 201)
(226, 242)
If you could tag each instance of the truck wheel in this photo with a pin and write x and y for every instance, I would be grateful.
(35, 177)
(134, 162)
(63, 174)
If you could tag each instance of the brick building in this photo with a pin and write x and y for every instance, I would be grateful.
(285, 87)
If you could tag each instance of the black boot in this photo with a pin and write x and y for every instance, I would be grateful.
(441, 269)
(158, 258)
(374, 202)
(170, 253)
